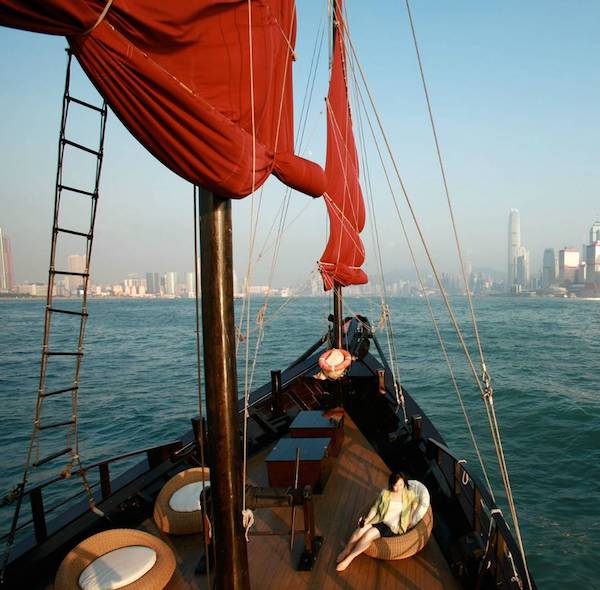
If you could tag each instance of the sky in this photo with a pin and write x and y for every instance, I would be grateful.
(515, 93)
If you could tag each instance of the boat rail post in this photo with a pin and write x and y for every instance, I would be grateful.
(218, 328)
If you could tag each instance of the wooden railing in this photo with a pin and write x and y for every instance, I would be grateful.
(154, 456)
(502, 557)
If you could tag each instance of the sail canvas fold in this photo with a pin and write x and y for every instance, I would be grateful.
(178, 75)
(344, 254)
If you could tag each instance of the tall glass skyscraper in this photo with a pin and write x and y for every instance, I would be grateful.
(6, 266)
(514, 245)
(595, 232)
(549, 268)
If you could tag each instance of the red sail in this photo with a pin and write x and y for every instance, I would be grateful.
(177, 74)
(344, 253)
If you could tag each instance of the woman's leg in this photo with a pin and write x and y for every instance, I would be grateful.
(354, 538)
(359, 547)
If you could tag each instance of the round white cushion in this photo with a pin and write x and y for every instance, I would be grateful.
(187, 498)
(117, 568)
(422, 494)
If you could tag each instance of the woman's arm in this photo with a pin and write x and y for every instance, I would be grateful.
(372, 512)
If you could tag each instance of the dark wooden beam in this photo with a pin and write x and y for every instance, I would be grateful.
(338, 319)
(218, 328)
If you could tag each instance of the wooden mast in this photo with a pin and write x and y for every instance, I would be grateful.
(218, 328)
(338, 320)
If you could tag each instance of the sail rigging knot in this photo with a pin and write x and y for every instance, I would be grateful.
(384, 318)
(260, 316)
(248, 522)
(11, 496)
(488, 390)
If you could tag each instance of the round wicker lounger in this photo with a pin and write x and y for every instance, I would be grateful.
(156, 577)
(181, 520)
(406, 545)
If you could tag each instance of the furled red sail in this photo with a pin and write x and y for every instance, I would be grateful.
(344, 253)
(177, 73)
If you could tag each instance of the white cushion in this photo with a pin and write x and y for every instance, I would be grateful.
(187, 498)
(117, 568)
(422, 494)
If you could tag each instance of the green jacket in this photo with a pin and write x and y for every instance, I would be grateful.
(381, 505)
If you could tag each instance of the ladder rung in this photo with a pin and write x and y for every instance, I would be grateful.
(52, 353)
(85, 104)
(64, 187)
(81, 147)
(68, 311)
(52, 456)
(58, 391)
(69, 273)
(74, 233)
(56, 425)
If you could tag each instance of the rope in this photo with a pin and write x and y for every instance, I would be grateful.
(247, 280)
(386, 316)
(427, 299)
(485, 395)
(100, 19)
(445, 182)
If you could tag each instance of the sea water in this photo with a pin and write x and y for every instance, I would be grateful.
(139, 387)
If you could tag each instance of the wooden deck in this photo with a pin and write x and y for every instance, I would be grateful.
(356, 477)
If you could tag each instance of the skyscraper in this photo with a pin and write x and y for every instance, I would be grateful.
(76, 263)
(568, 263)
(548, 267)
(6, 266)
(592, 259)
(153, 283)
(514, 243)
(171, 283)
(595, 232)
(522, 268)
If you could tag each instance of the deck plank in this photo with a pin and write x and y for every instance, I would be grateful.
(356, 477)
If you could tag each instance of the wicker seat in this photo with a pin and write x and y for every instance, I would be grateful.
(175, 517)
(406, 545)
(411, 542)
(83, 567)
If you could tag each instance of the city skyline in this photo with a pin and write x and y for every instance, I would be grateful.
(512, 132)
(552, 268)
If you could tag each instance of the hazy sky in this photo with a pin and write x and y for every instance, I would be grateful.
(515, 89)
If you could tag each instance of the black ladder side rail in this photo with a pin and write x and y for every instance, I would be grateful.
(69, 422)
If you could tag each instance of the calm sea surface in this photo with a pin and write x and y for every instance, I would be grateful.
(139, 388)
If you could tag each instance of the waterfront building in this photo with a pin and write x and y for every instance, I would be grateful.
(171, 283)
(514, 243)
(152, 283)
(592, 259)
(6, 265)
(522, 268)
(568, 263)
(595, 232)
(548, 268)
(76, 263)
(190, 284)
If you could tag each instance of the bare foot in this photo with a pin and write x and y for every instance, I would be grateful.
(342, 565)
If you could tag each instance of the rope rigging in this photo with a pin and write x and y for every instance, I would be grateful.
(485, 389)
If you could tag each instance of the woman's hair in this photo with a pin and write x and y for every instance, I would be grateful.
(394, 477)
